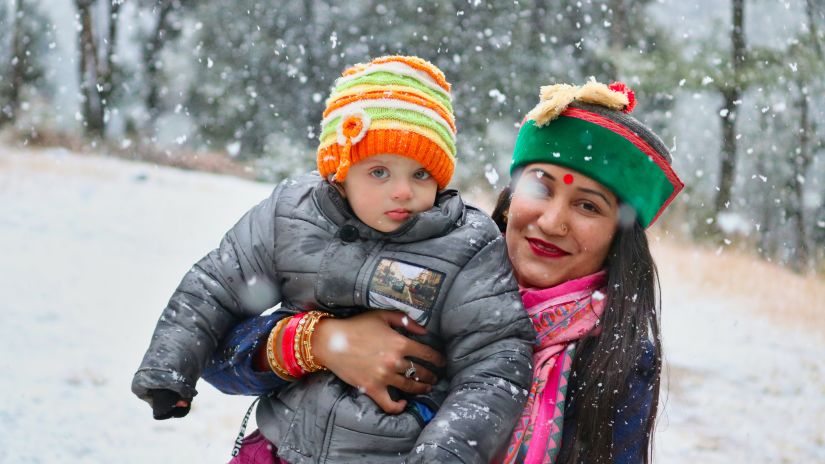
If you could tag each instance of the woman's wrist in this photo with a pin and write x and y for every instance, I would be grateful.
(313, 318)
(259, 361)
(324, 330)
(291, 346)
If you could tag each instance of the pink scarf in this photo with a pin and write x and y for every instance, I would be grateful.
(561, 315)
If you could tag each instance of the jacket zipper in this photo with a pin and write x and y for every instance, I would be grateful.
(328, 431)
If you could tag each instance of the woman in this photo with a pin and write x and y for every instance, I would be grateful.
(587, 179)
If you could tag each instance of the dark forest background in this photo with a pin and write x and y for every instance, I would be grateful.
(734, 87)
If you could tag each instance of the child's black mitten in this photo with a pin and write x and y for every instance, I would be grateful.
(164, 405)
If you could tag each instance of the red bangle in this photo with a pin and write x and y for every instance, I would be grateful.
(288, 347)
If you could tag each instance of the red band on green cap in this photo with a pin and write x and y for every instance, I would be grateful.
(645, 148)
(629, 135)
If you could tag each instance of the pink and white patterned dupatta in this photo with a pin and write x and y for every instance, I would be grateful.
(561, 315)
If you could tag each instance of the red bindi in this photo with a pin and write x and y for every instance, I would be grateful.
(568, 179)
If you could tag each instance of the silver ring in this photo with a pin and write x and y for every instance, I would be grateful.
(410, 372)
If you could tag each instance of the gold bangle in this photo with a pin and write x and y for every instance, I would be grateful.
(274, 364)
(296, 343)
(306, 339)
(300, 344)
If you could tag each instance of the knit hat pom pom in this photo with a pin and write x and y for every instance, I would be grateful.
(625, 90)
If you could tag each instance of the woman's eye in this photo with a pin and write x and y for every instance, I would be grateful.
(422, 174)
(379, 173)
(535, 189)
(589, 207)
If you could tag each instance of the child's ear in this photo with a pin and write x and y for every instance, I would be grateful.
(340, 187)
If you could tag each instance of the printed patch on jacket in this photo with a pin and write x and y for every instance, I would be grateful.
(405, 286)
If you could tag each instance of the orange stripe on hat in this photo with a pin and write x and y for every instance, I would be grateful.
(411, 61)
(399, 142)
(389, 94)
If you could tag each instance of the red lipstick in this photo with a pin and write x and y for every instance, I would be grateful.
(545, 250)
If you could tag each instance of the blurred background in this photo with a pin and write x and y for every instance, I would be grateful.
(734, 87)
(102, 102)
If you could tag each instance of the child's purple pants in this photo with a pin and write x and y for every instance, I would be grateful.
(256, 449)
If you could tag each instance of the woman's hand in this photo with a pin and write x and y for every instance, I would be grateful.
(365, 352)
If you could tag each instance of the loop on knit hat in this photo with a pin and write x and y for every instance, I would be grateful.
(554, 99)
(351, 130)
(353, 127)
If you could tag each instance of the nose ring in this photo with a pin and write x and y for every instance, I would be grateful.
(564, 228)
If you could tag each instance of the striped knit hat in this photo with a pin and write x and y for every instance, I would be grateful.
(394, 104)
(587, 129)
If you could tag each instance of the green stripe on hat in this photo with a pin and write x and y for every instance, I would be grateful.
(394, 114)
(387, 78)
(600, 154)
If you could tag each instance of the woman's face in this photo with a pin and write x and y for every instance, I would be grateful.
(560, 225)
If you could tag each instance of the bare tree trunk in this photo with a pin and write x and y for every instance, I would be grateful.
(107, 67)
(729, 148)
(151, 53)
(618, 26)
(732, 93)
(312, 36)
(308, 16)
(92, 104)
(17, 67)
(803, 157)
(619, 36)
(369, 8)
(800, 166)
(818, 235)
(812, 30)
(537, 20)
(767, 212)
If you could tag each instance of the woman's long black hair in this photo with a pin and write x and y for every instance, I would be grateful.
(629, 343)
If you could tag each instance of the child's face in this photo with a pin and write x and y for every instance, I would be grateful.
(386, 190)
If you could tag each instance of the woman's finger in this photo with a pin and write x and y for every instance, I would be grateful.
(422, 373)
(365, 350)
(382, 398)
(399, 320)
(416, 350)
(411, 386)
(425, 376)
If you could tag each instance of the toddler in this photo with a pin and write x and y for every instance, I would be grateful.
(376, 229)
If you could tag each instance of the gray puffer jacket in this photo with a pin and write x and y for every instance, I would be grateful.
(447, 268)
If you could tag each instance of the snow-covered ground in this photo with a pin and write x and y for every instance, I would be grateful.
(92, 248)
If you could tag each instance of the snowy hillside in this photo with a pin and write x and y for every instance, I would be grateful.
(93, 247)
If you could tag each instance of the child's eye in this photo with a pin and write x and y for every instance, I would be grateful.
(379, 173)
(422, 174)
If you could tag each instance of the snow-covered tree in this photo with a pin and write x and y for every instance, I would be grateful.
(25, 39)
